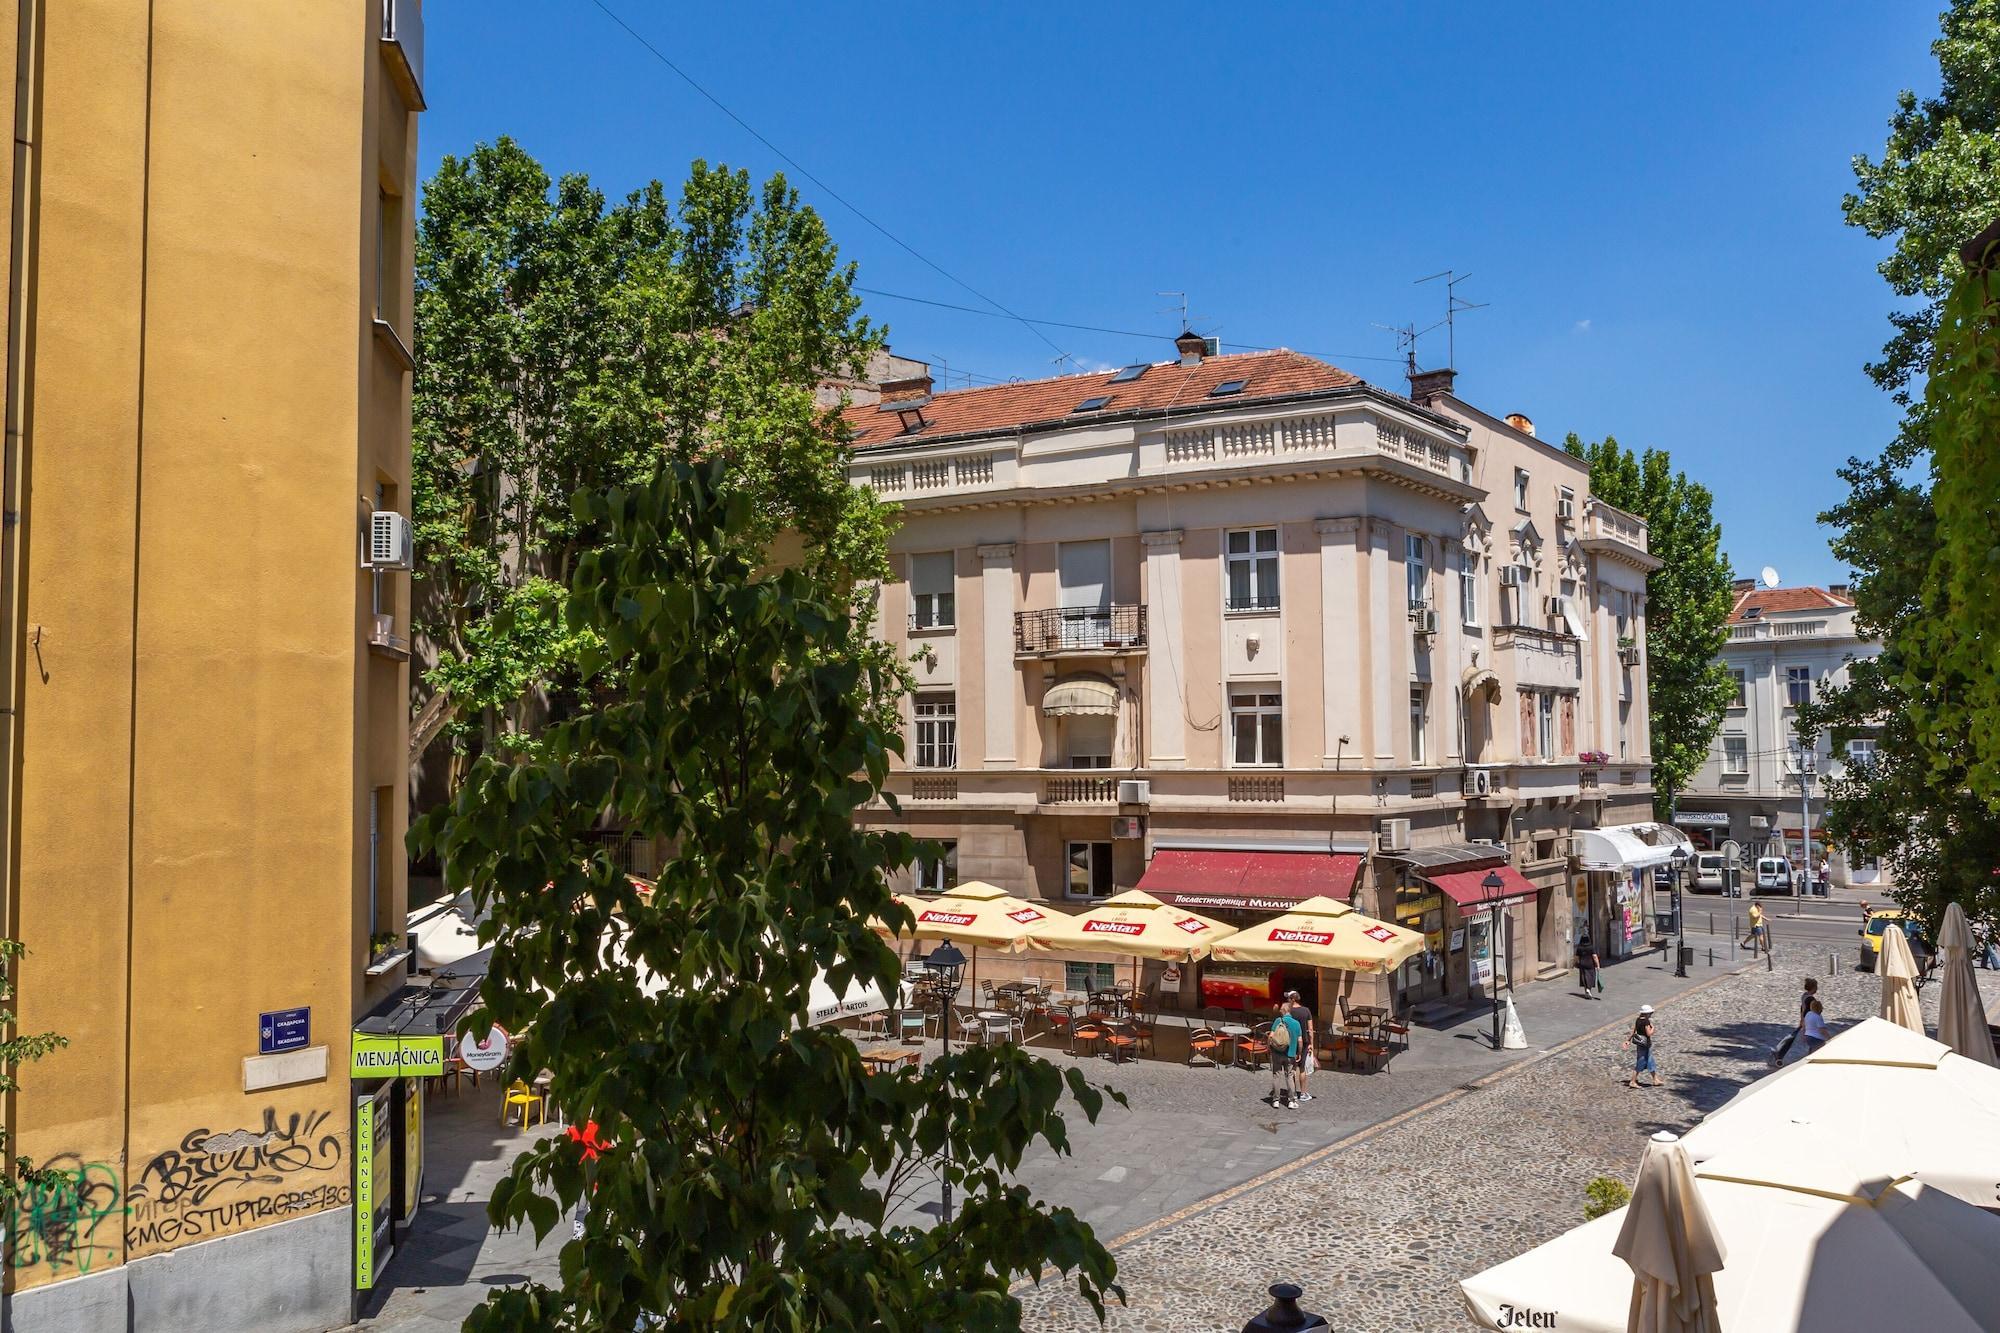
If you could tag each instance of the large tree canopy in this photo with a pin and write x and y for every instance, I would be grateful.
(563, 345)
(1687, 604)
(1916, 805)
(752, 1160)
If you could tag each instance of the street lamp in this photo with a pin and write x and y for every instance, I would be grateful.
(947, 967)
(1494, 886)
(1681, 859)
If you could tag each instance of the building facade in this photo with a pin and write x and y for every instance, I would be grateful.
(1757, 789)
(208, 402)
(1239, 629)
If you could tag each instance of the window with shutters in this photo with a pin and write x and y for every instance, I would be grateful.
(933, 604)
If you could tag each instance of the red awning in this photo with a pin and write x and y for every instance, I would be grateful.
(1248, 881)
(1468, 890)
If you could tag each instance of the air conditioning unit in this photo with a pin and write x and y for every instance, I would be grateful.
(1629, 654)
(1393, 836)
(1134, 791)
(391, 543)
(1128, 826)
(1553, 607)
(1425, 621)
(1565, 509)
(1418, 607)
(1510, 576)
(1478, 782)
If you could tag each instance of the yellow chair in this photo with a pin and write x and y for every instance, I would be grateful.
(521, 1095)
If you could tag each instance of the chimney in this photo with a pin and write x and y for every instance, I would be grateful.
(1837, 589)
(1742, 585)
(1426, 386)
(1521, 422)
(907, 398)
(1192, 347)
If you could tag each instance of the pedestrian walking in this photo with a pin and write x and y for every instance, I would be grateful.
(1806, 998)
(1825, 877)
(1285, 1039)
(1867, 914)
(1587, 968)
(1756, 934)
(1640, 1043)
(1813, 1026)
(1306, 1063)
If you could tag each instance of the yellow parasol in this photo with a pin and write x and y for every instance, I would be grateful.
(1323, 932)
(975, 913)
(1138, 924)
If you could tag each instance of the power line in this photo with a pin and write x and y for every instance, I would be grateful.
(831, 193)
(1099, 328)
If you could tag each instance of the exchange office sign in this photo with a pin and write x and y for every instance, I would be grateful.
(386, 1055)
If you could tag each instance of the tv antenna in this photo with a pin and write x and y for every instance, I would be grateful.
(1406, 342)
(1184, 310)
(1453, 305)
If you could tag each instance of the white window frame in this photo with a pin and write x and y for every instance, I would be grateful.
(934, 610)
(1420, 722)
(1254, 557)
(1468, 597)
(935, 727)
(1735, 758)
(1742, 687)
(1861, 751)
(1416, 571)
(1793, 680)
(1255, 704)
(1522, 483)
(1091, 851)
(1545, 722)
(940, 875)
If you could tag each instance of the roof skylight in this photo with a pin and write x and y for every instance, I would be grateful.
(1092, 404)
(1227, 387)
(1130, 373)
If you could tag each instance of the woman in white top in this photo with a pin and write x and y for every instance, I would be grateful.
(1813, 1033)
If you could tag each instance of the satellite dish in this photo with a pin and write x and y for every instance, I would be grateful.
(1770, 577)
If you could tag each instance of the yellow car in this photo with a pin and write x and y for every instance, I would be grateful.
(1871, 937)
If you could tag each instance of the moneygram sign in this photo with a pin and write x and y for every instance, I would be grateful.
(1113, 928)
(934, 918)
(1300, 937)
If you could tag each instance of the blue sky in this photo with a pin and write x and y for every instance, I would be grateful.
(1647, 196)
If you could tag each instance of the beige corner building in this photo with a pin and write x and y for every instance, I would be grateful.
(1241, 629)
(207, 406)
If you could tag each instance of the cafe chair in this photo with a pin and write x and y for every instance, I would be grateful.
(521, 1095)
(1122, 1039)
(1206, 1044)
(1254, 1049)
(910, 1026)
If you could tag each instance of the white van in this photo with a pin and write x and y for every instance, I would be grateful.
(1710, 875)
(1774, 874)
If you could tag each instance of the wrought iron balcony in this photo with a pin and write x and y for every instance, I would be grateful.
(1115, 629)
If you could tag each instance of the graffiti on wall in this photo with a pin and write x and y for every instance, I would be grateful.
(68, 1218)
(219, 1181)
(75, 1216)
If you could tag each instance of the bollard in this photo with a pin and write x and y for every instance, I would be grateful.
(1711, 955)
(1711, 923)
(1284, 1312)
(1832, 963)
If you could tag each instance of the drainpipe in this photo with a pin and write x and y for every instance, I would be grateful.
(13, 464)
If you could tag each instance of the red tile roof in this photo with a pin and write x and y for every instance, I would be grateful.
(1777, 601)
(1005, 406)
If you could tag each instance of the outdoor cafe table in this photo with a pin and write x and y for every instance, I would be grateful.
(881, 1059)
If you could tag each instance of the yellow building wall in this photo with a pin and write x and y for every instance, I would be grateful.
(201, 724)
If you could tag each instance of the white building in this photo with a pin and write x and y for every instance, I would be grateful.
(1785, 644)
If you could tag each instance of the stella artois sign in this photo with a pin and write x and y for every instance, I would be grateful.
(1283, 936)
(1113, 928)
(933, 917)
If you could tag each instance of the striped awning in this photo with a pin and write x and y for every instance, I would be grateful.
(1081, 696)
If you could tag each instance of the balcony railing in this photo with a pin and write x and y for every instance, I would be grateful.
(1080, 791)
(1079, 630)
(1260, 788)
(934, 787)
(403, 42)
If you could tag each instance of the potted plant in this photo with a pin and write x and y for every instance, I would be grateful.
(381, 944)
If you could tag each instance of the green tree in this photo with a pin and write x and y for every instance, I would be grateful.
(1687, 604)
(21, 1176)
(1914, 806)
(752, 1159)
(563, 345)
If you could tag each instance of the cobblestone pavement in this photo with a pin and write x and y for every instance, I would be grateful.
(1378, 1228)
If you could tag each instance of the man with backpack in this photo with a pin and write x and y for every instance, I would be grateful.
(1286, 1044)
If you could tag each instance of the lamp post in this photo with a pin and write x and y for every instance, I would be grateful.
(1494, 886)
(1681, 859)
(947, 966)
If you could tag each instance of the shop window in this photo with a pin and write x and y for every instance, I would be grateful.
(1257, 727)
(939, 873)
(1081, 978)
(937, 731)
(933, 604)
(1089, 870)
(1253, 569)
